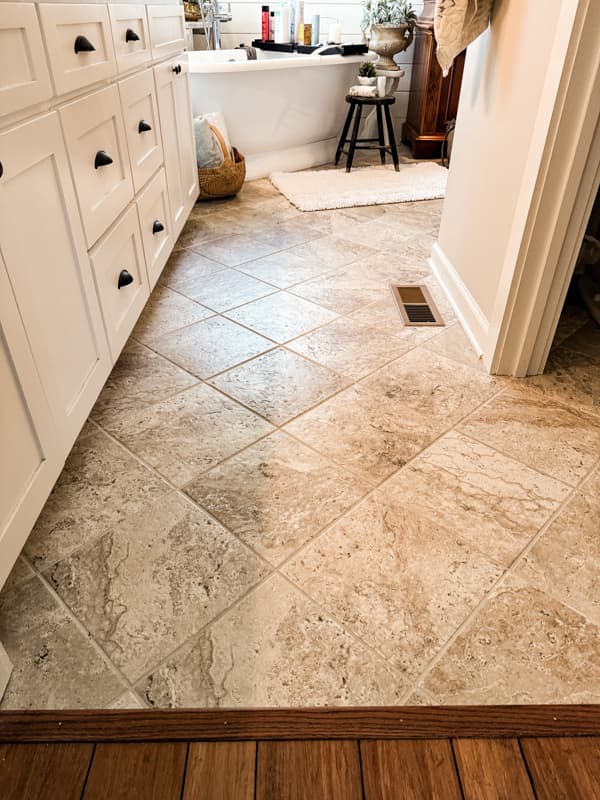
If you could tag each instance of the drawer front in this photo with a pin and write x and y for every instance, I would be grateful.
(167, 30)
(130, 36)
(121, 279)
(24, 78)
(142, 127)
(155, 224)
(93, 128)
(79, 41)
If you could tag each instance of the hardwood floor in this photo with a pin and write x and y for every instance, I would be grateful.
(491, 753)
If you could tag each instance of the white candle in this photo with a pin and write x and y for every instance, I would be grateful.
(335, 32)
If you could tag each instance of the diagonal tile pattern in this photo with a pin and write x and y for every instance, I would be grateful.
(286, 497)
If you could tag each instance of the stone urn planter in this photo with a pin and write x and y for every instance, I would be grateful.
(387, 41)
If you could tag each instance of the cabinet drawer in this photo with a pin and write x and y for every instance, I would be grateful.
(130, 36)
(24, 78)
(142, 128)
(155, 224)
(121, 280)
(167, 30)
(95, 136)
(79, 42)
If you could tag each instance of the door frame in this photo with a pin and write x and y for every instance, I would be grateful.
(526, 315)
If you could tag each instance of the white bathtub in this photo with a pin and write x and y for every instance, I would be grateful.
(283, 111)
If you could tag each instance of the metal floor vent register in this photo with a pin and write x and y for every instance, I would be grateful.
(416, 305)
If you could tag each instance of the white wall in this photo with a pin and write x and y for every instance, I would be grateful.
(246, 26)
(508, 91)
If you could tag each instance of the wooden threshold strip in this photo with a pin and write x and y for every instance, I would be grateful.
(413, 722)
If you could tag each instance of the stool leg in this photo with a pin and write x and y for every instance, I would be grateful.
(354, 137)
(345, 130)
(392, 138)
(380, 134)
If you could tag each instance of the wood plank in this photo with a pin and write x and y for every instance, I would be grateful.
(308, 770)
(564, 769)
(416, 722)
(131, 771)
(220, 771)
(409, 770)
(43, 771)
(492, 769)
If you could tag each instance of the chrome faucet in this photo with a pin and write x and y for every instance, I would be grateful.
(218, 17)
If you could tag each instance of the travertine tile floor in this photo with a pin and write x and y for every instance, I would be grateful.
(285, 497)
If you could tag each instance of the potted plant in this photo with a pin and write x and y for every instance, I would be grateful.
(389, 27)
(367, 74)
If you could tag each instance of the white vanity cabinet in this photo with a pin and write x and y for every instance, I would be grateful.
(174, 106)
(97, 178)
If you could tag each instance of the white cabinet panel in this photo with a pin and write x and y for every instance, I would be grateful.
(142, 128)
(155, 225)
(79, 41)
(172, 91)
(42, 245)
(121, 279)
(95, 136)
(167, 29)
(29, 455)
(24, 78)
(130, 36)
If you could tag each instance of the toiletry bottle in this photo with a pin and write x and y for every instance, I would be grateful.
(277, 26)
(292, 21)
(272, 27)
(284, 13)
(299, 18)
(316, 22)
(266, 20)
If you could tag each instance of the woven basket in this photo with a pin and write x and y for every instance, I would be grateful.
(225, 180)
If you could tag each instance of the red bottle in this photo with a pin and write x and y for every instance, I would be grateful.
(265, 23)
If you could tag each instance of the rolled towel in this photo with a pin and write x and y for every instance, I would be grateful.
(363, 91)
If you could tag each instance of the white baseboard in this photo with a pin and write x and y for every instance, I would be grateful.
(305, 156)
(5, 670)
(468, 312)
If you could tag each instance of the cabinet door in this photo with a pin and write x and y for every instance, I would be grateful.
(167, 29)
(24, 78)
(172, 90)
(142, 128)
(155, 225)
(29, 456)
(130, 36)
(41, 242)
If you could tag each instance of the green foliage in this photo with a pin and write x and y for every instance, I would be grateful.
(387, 12)
(367, 70)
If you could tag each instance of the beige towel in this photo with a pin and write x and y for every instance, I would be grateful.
(363, 91)
(458, 23)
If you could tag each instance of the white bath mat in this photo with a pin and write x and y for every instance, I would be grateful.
(317, 190)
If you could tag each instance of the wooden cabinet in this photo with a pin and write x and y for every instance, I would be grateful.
(167, 29)
(43, 248)
(433, 99)
(174, 106)
(142, 127)
(130, 35)
(24, 78)
(155, 225)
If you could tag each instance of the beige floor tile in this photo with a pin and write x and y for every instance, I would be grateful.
(190, 432)
(167, 311)
(54, 663)
(186, 270)
(387, 269)
(285, 232)
(20, 573)
(453, 343)
(202, 228)
(126, 700)
(238, 248)
(497, 504)
(355, 348)
(397, 580)
(440, 390)
(570, 378)
(560, 441)
(281, 316)
(276, 495)
(586, 341)
(565, 562)
(279, 384)
(365, 433)
(99, 487)
(335, 252)
(229, 288)
(134, 589)
(211, 346)
(139, 378)
(521, 647)
(286, 268)
(276, 648)
(341, 292)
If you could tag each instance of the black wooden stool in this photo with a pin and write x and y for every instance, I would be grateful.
(357, 103)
